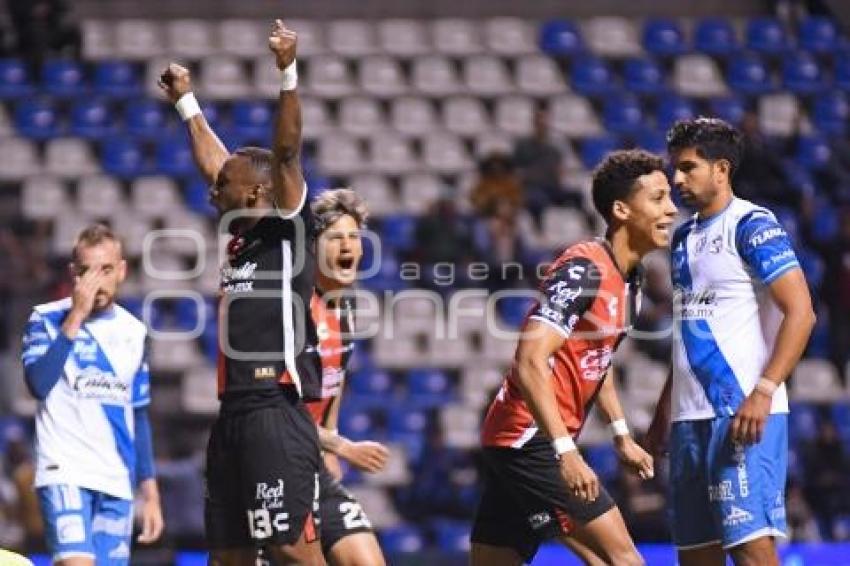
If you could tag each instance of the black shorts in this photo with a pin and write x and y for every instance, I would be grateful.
(341, 513)
(262, 477)
(526, 501)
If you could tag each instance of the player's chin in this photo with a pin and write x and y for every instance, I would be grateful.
(345, 277)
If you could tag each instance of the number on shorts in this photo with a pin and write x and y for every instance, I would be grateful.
(353, 516)
(259, 523)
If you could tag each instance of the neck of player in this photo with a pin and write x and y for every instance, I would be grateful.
(717, 205)
(625, 255)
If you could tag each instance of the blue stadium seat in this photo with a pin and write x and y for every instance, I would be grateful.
(812, 266)
(715, 36)
(37, 119)
(371, 382)
(357, 424)
(252, 121)
(452, 536)
(119, 79)
(622, 114)
(591, 76)
(603, 460)
(512, 310)
(801, 74)
(818, 34)
(561, 38)
(827, 226)
(91, 119)
(594, 149)
(642, 76)
(654, 141)
(813, 152)
(187, 314)
(145, 118)
(663, 37)
(766, 36)
(174, 157)
(798, 177)
(401, 539)
(63, 78)
(212, 112)
(820, 344)
(802, 422)
(413, 443)
(670, 109)
(14, 79)
(747, 74)
(196, 193)
(123, 157)
(841, 420)
(407, 420)
(398, 231)
(830, 113)
(728, 108)
(388, 277)
(842, 71)
(428, 388)
(209, 341)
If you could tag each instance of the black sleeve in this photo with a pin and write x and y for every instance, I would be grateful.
(567, 294)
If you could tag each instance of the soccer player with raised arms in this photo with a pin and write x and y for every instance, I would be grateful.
(742, 316)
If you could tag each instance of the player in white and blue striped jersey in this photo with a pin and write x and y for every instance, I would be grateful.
(742, 315)
(84, 360)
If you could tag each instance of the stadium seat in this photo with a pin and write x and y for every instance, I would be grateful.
(360, 116)
(537, 75)
(766, 35)
(197, 194)
(747, 74)
(407, 419)
(663, 37)
(728, 108)
(452, 536)
(316, 119)
(419, 191)
(14, 79)
(818, 34)
(485, 75)
(591, 76)
(69, 158)
(801, 74)
(803, 422)
(117, 78)
(412, 116)
(514, 115)
(340, 155)
(252, 121)
(98, 39)
(509, 36)
(778, 114)
(841, 419)
(456, 37)
(654, 141)
(428, 388)
(123, 157)
(573, 116)
(611, 36)
(401, 539)
(830, 113)
(248, 38)
(154, 197)
(403, 37)
(140, 39)
(399, 231)
(378, 195)
(622, 114)
(37, 119)
(715, 36)
(698, 75)
(643, 76)
(197, 392)
(561, 38)
(312, 37)
(222, 77)
(435, 75)
(594, 149)
(513, 310)
(815, 380)
(18, 159)
(191, 39)
(391, 154)
(382, 76)
(145, 119)
(99, 196)
(444, 153)
(91, 119)
(63, 78)
(174, 156)
(670, 109)
(352, 38)
(813, 152)
(842, 71)
(465, 116)
(357, 424)
(42, 198)
(565, 226)
(329, 77)
(827, 226)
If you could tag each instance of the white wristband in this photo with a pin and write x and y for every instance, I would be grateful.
(289, 77)
(766, 386)
(187, 106)
(619, 427)
(563, 444)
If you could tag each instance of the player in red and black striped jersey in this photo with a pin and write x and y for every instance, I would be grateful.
(537, 486)
(263, 457)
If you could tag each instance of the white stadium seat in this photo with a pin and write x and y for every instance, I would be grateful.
(99, 196)
(138, 39)
(190, 38)
(98, 39)
(360, 116)
(456, 37)
(329, 77)
(245, 38)
(18, 159)
(154, 196)
(391, 154)
(698, 75)
(778, 114)
(339, 154)
(316, 119)
(563, 226)
(311, 37)
(539, 76)
(382, 76)
(510, 36)
(413, 116)
(485, 75)
(514, 114)
(573, 116)
(376, 192)
(43, 198)
(612, 36)
(444, 153)
(69, 158)
(223, 77)
(419, 191)
(465, 116)
(434, 75)
(815, 380)
(352, 38)
(403, 38)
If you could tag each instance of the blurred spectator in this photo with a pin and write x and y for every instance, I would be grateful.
(827, 474)
(44, 29)
(760, 177)
(443, 235)
(802, 525)
(497, 182)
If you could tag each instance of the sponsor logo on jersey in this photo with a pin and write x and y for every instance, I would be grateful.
(95, 383)
(737, 516)
(539, 520)
(238, 279)
(594, 363)
(765, 236)
(271, 496)
(562, 295)
(120, 551)
(70, 529)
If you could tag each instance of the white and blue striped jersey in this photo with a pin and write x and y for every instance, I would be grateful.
(725, 319)
(84, 427)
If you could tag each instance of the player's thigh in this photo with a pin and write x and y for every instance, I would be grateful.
(706, 555)
(489, 555)
(112, 528)
(693, 524)
(66, 510)
(757, 552)
(587, 555)
(304, 551)
(607, 537)
(358, 549)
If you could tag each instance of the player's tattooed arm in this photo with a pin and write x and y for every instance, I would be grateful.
(629, 452)
(287, 179)
(207, 149)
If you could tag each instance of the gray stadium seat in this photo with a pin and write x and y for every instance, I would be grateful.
(815, 380)
(419, 191)
(193, 39)
(413, 116)
(18, 159)
(377, 193)
(360, 116)
(612, 36)
(403, 38)
(391, 154)
(222, 78)
(382, 76)
(539, 76)
(510, 36)
(99, 196)
(444, 154)
(154, 196)
(266, 83)
(245, 38)
(329, 77)
(69, 158)
(485, 75)
(461, 426)
(456, 37)
(315, 118)
(339, 154)
(573, 116)
(465, 116)
(563, 227)
(698, 75)
(174, 355)
(514, 114)
(311, 37)
(493, 141)
(352, 38)
(66, 227)
(198, 395)
(43, 198)
(434, 75)
(778, 114)
(138, 39)
(98, 39)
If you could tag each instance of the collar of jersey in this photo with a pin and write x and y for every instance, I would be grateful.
(108, 314)
(709, 220)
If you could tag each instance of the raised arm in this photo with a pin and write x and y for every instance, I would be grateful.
(207, 149)
(288, 188)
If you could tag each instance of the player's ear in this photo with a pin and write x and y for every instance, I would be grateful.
(72, 269)
(122, 270)
(723, 167)
(620, 210)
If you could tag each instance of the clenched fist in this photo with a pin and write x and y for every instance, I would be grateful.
(282, 43)
(175, 82)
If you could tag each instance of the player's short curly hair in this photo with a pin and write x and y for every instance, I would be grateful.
(333, 204)
(711, 137)
(615, 178)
